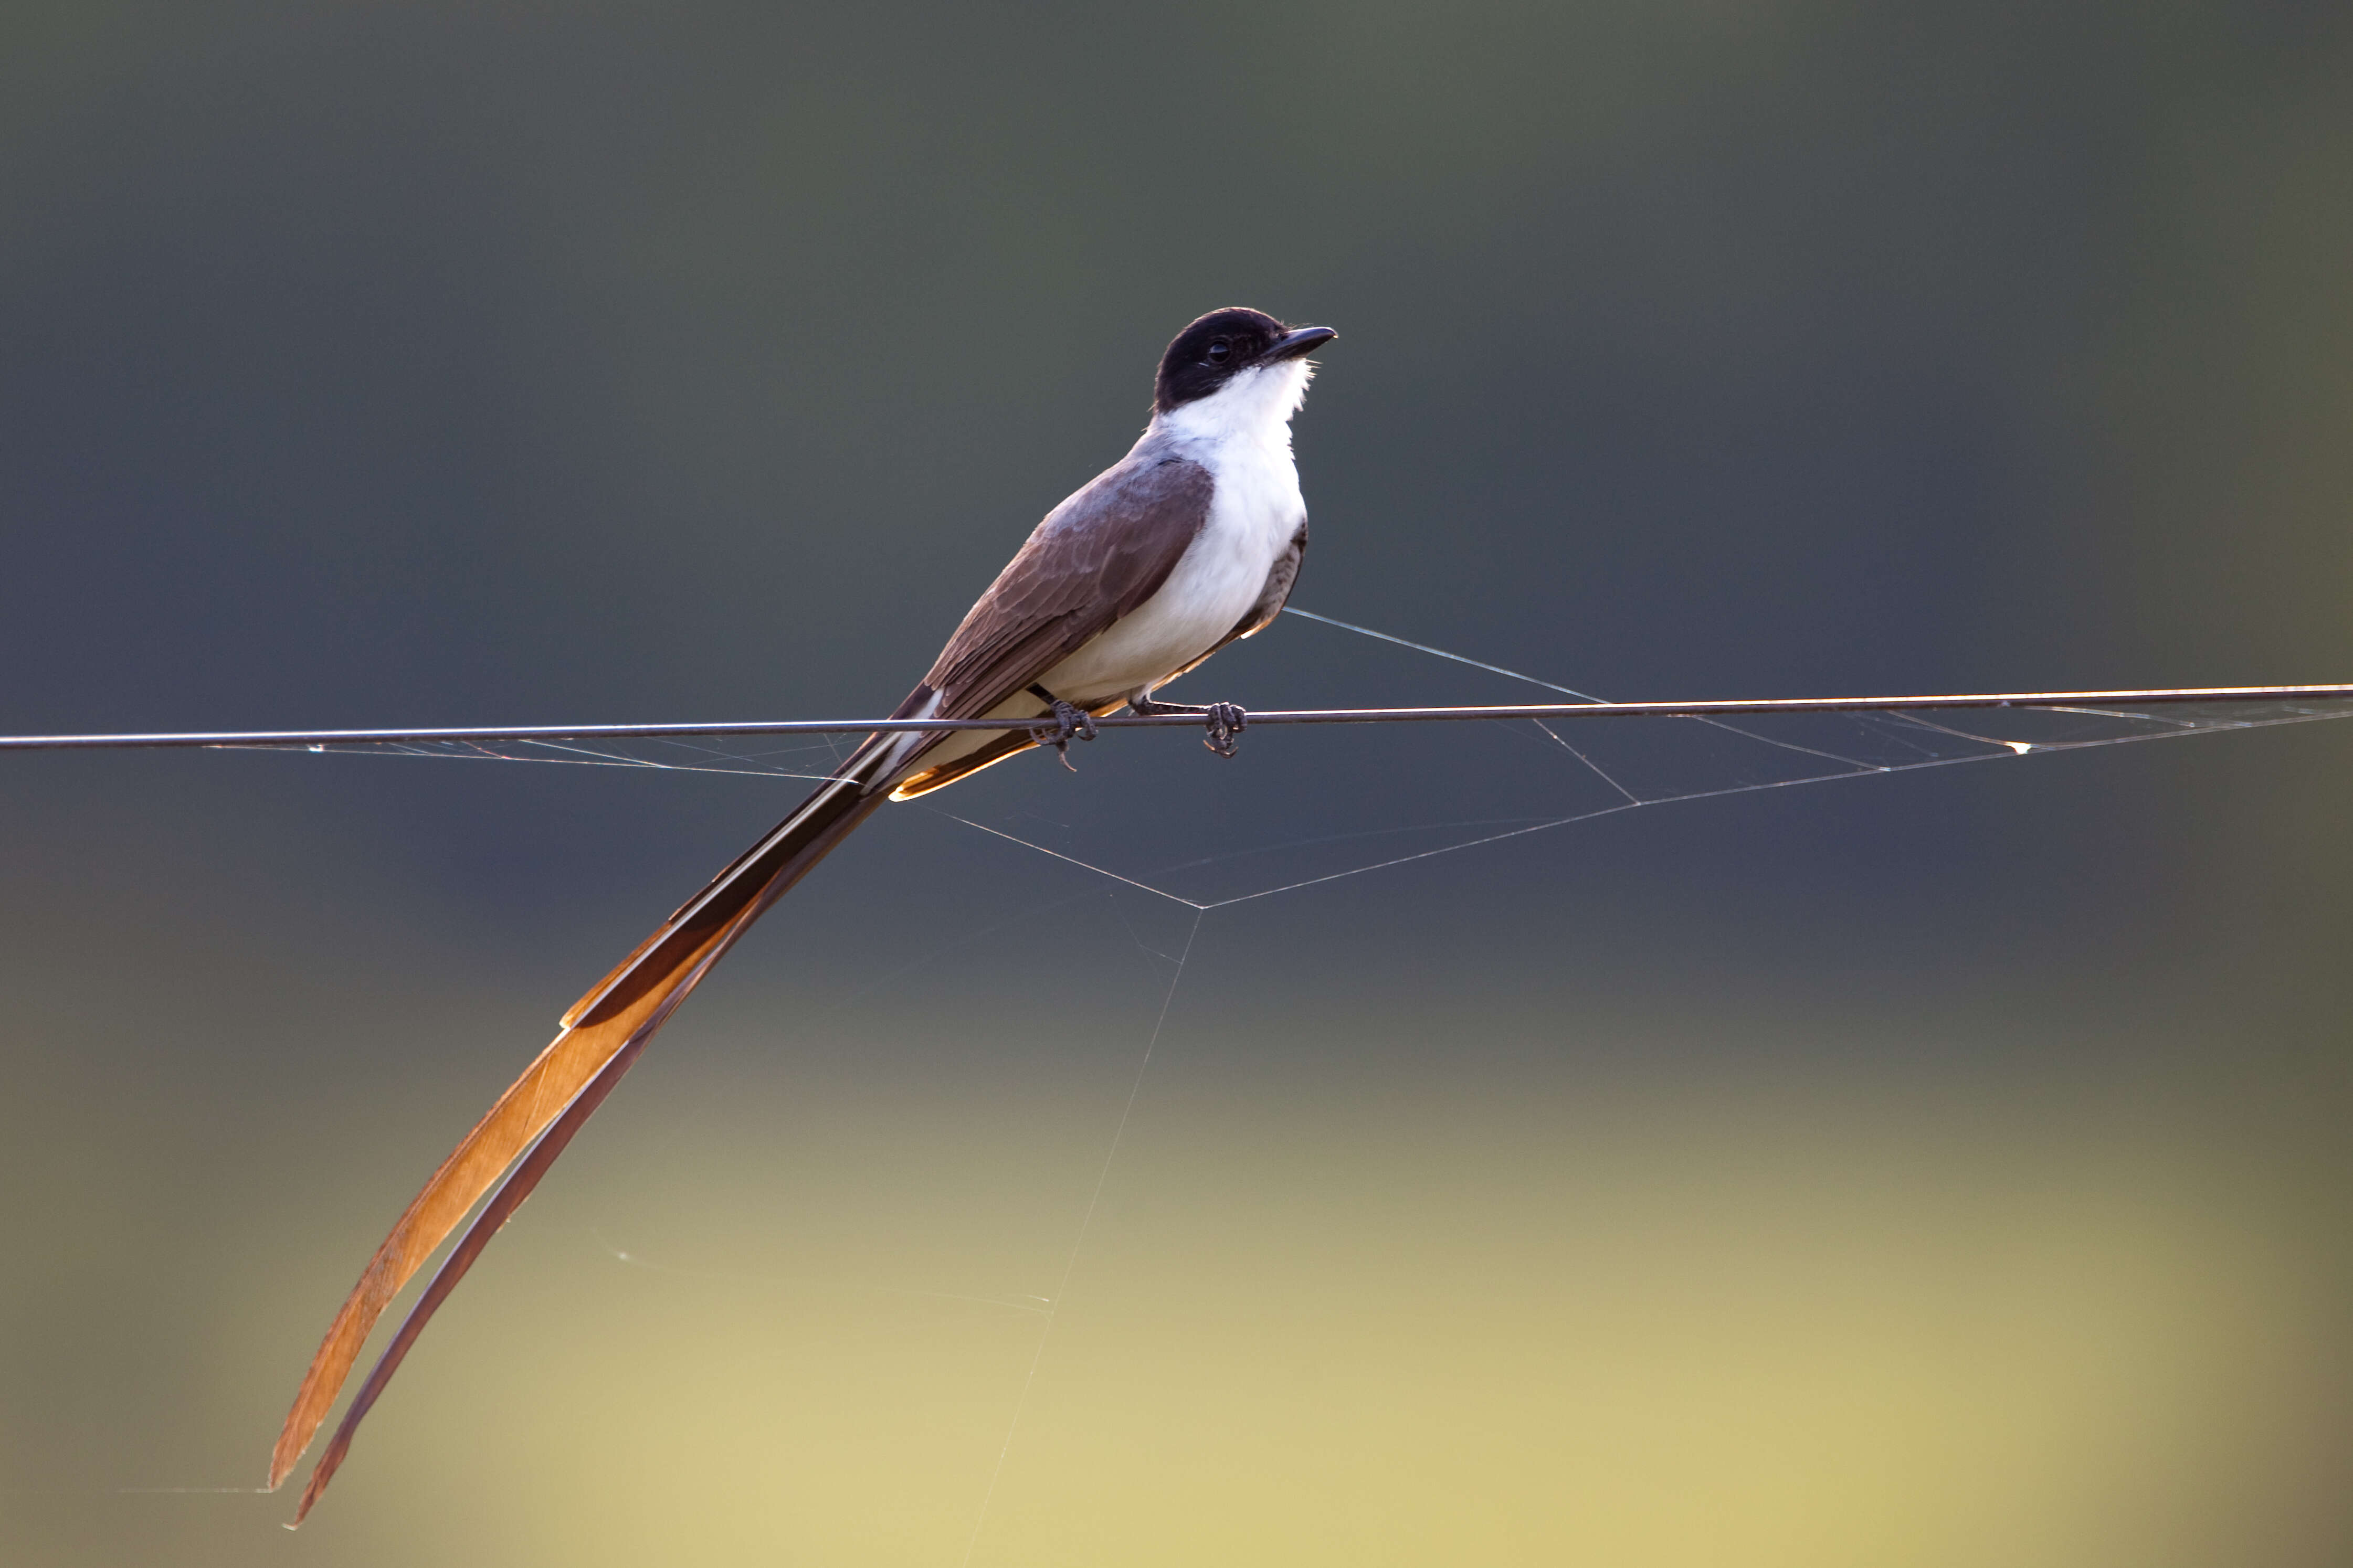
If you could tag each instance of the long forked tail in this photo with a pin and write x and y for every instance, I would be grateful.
(602, 1036)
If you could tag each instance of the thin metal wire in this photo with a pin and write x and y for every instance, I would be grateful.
(1685, 709)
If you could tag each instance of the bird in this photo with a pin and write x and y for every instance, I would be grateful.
(1190, 541)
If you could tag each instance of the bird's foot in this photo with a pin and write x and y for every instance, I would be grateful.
(1226, 723)
(1070, 723)
(1224, 720)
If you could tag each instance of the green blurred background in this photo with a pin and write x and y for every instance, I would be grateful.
(1948, 1169)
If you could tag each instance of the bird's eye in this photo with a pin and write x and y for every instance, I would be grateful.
(1220, 351)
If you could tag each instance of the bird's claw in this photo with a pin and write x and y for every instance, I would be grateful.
(1225, 722)
(1070, 723)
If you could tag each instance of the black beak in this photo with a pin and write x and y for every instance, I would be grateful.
(1306, 340)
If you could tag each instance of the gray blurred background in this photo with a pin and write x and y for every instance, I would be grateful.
(1941, 1168)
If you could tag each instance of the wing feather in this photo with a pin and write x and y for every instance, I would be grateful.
(1095, 558)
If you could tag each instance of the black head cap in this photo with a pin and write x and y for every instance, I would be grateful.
(1220, 346)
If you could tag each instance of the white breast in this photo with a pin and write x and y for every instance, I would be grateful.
(1242, 435)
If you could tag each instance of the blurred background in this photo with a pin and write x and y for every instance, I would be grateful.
(1943, 1169)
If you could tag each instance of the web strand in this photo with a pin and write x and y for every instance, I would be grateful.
(1078, 1243)
(1439, 653)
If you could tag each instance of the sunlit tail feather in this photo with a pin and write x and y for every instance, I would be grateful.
(602, 1036)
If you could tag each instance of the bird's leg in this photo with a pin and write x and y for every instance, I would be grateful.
(1224, 720)
(1072, 723)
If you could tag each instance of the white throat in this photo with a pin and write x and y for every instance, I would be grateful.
(1255, 406)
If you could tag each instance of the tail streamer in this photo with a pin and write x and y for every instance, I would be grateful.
(532, 1123)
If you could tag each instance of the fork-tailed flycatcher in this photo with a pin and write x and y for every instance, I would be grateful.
(1191, 540)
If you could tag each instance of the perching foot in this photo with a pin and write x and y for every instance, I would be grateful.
(1226, 721)
(1070, 723)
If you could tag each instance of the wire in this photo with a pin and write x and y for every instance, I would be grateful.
(1685, 709)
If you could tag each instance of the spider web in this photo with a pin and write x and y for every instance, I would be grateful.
(1127, 870)
(1387, 797)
